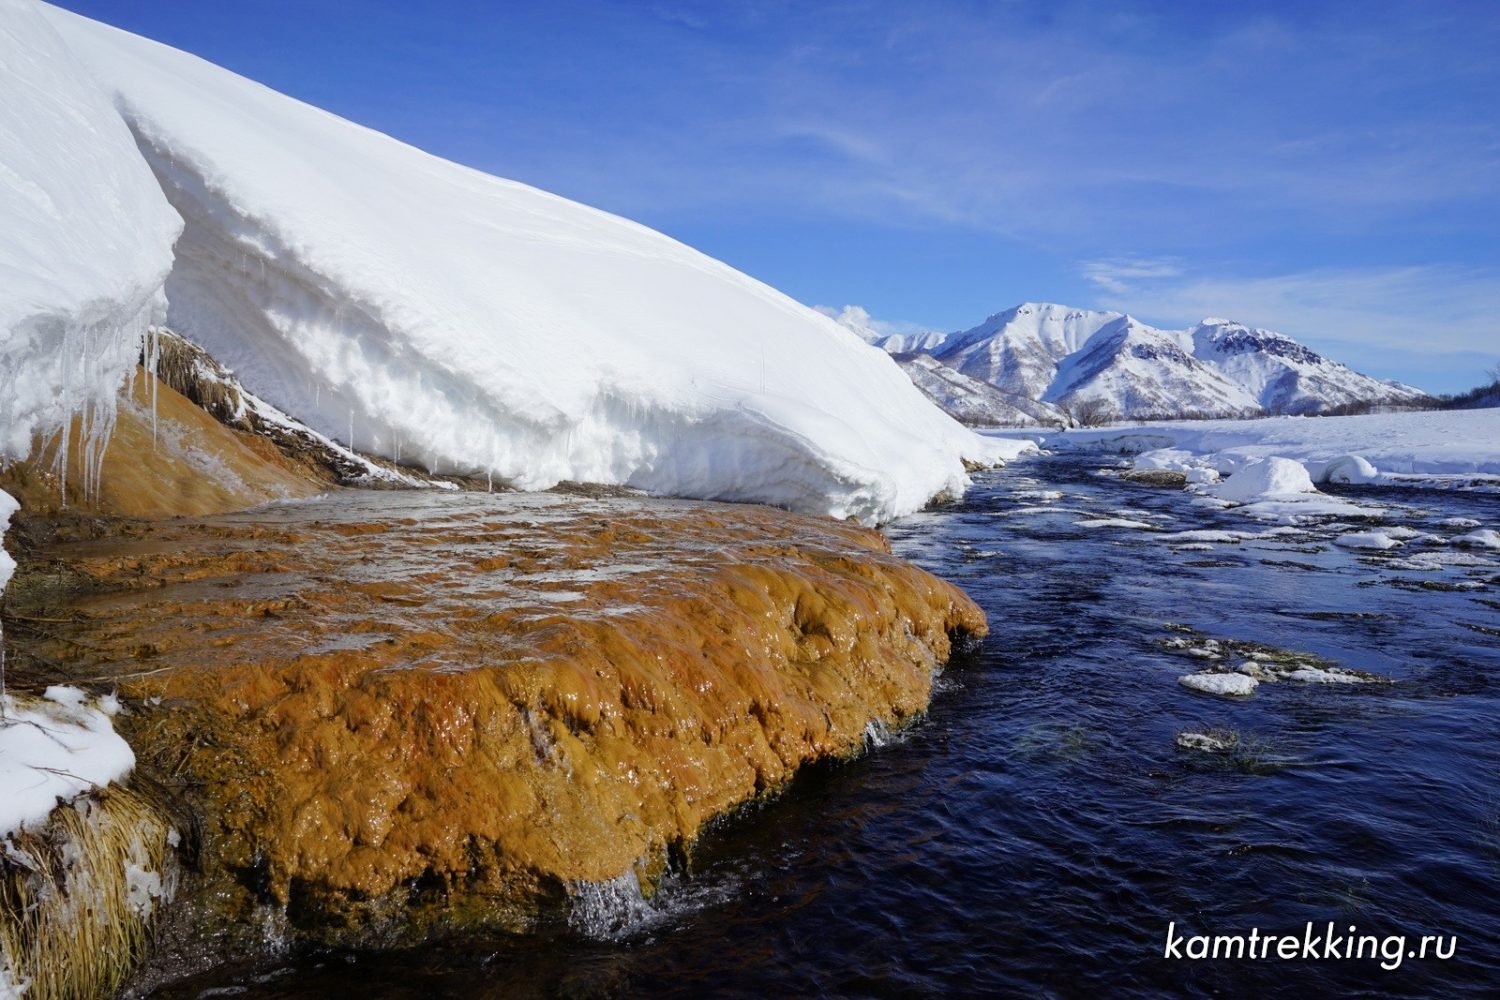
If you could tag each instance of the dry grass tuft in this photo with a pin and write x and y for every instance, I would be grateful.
(77, 895)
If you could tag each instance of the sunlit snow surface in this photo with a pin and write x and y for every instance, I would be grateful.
(1457, 449)
(55, 747)
(480, 325)
(86, 239)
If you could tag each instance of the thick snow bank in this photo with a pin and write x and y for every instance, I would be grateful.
(1459, 447)
(87, 238)
(56, 747)
(395, 300)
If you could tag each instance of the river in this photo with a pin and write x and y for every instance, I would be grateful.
(1039, 831)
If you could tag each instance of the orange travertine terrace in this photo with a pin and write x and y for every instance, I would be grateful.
(394, 711)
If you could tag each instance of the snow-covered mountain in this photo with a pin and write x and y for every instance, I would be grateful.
(1283, 375)
(1020, 350)
(1139, 370)
(975, 403)
(1065, 356)
(474, 324)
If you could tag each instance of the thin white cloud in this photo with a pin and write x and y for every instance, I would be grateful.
(1116, 275)
(858, 319)
(1357, 311)
(957, 115)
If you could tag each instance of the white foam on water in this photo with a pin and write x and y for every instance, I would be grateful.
(617, 909)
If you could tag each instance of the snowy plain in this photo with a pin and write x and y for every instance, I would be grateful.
(1456, 449)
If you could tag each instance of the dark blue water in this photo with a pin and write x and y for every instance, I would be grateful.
(1039, 831)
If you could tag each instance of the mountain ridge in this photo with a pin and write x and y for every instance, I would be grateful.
(1105, 360)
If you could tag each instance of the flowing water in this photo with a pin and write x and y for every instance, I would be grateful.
(1040, 830)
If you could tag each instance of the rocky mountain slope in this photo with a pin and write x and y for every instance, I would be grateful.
(1111, 362)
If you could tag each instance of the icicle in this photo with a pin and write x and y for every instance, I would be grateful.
(155, 377)
(67, 433)
(85, 450)
(153, 366)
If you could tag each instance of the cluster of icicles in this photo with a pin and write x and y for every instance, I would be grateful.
(95, 417)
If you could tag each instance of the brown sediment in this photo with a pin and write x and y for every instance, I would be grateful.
(395, 712)
(191, 465)
(192, 372)
(198, 448)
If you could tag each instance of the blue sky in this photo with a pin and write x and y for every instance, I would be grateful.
(1330, 170)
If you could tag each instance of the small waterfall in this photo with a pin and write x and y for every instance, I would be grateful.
(878, 734)
(619, 908)
(612, 909)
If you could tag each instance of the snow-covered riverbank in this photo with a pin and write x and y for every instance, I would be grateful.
(1454, 449)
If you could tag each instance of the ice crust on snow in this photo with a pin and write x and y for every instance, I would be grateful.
(480, 325)
(1115, 522)
(8, 506)
(56, 747)
(1348, 469)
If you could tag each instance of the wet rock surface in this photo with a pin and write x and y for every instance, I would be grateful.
(394, 713)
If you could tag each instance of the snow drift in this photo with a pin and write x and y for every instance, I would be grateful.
(87, 238)
(394, 300)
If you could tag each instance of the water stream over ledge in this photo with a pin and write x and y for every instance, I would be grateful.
(1038, 831)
